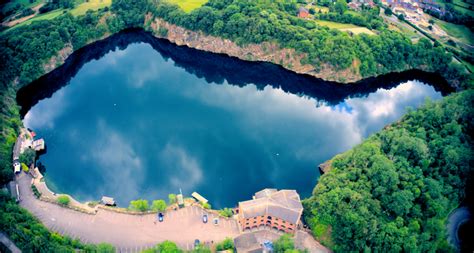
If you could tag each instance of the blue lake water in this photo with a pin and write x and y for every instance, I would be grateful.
(133, 124)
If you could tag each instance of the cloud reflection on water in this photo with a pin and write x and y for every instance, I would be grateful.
(141, 127)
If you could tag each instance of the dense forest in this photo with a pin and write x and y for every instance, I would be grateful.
(245, 21)
(24, 51)
(395, 190)
(392, 192)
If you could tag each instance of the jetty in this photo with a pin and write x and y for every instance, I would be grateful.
(199, 198)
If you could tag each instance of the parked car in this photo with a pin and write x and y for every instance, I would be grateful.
(197, 243)
(160, 217)
(204, 218)
(216, 221)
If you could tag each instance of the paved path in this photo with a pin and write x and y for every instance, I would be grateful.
(8, 243)
(129, 233)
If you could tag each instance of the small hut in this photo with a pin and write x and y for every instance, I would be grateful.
(38, 145)
(303, 12)
(108, 201)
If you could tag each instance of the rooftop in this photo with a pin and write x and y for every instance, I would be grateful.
(283, 204)
(247, 243)
(107, 200)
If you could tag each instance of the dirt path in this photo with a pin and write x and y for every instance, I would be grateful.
(129, 233)
(23, 19)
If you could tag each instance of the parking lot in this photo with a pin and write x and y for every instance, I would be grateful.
(129, 233)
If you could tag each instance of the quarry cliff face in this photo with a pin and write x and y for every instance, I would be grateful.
(266, 51)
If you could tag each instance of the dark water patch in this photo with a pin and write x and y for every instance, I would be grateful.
(216, 68)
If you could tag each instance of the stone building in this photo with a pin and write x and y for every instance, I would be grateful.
(271, 208)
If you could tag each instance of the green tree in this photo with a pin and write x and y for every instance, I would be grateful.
(139, 205)
(395, 190)
(283, 244)
(340, 6)
(28, 156)
(158, 205)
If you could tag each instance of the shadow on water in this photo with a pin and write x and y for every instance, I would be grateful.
(218, 68)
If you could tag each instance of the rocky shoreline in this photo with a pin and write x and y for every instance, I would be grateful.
(263, 52)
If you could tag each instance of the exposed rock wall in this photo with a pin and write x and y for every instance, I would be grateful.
(266, 51)
(58, 59)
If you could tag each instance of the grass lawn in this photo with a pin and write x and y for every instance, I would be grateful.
(49, 15)
(335, 25)
(354, 13)
(404, 30)
(188, 5)
(82, 8)
(457, 31)
(358, 30)
(345, 27)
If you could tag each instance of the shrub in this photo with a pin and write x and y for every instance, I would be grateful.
(164, 247)
(226, 212)
(227, 244)
(206, 205)
(24, 167)
(158, 205)
(64, 200)
(92, 203)
(171, 198)
(105, 248)
(284, 244)
(201, 248)
(35, 191)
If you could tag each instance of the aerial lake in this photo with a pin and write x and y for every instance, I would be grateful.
(139, 122)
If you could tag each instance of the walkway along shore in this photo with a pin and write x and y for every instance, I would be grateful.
(127, 232)
(132, 231)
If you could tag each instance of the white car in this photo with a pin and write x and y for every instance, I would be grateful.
(17, 167)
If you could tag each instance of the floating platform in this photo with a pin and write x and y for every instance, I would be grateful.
(199, 198)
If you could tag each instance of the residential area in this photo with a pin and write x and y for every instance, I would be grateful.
(446, 22)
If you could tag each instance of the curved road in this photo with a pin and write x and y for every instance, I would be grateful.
(455, 220)
(129, 233)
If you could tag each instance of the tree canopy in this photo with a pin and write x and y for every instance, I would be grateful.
(394, 191)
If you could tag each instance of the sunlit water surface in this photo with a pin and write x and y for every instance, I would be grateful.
(133, 125)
